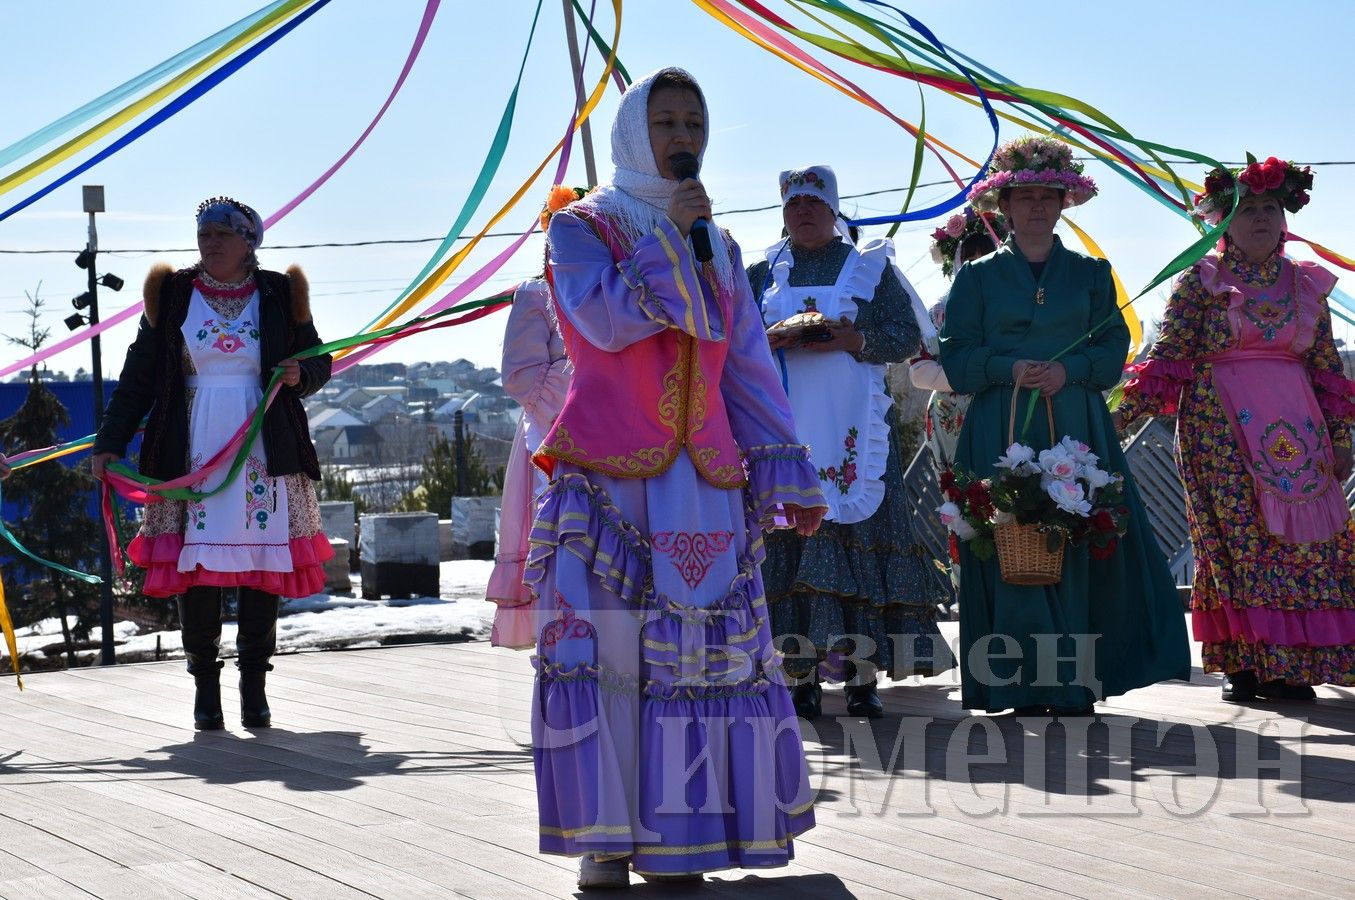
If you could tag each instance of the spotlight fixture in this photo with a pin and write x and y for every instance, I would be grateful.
(111, 281)
(74, 321)
(82, 301)
(85, 259)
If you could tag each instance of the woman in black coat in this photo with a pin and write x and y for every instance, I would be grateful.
(210, 339)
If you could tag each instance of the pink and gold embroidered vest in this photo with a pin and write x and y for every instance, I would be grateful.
(628, 413)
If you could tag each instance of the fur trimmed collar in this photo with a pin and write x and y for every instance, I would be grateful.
(155, 283)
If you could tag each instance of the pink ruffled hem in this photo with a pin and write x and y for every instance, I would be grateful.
(514, 627)
(159, 556)
(1287, 628)
(1160, 380)
(514, 620)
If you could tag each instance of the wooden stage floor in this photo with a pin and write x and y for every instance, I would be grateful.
(404, 772)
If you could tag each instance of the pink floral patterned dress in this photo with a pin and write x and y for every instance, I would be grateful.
(1267, 595)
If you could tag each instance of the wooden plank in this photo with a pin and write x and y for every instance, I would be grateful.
(404, 772)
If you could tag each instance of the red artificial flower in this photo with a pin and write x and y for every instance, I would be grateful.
(976, 495)
(947, 479)
(1274, 169)
(939, 234)
(954, 548)
(1102, 520)
(1103, 552)
(1264, 176)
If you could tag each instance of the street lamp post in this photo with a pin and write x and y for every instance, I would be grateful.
(94, 203)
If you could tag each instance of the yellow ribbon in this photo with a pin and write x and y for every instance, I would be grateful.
(92, 134)
(444, 271)
(7, 625)
(1131, 318)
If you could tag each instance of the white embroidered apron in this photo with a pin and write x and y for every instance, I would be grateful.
(839, 403)
(244, 527)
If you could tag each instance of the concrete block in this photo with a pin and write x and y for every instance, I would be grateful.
(473, 527)
(337, 578)
(338, 519)
(400, 537)
(399, 555)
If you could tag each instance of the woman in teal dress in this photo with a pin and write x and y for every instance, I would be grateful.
(1109, 625)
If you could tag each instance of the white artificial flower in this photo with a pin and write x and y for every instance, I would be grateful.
(954, 520)
(1020, 459)
(1001, 517)
(1058, 463)
(1096, 479)
(1069, 497)
(1080, 451)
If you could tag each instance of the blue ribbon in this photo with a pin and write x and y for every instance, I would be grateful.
(177, 105)
(959, 199)
(125, 91)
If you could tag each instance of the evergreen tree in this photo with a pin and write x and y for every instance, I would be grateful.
(53, 520)
(334, 485)
(439, 483)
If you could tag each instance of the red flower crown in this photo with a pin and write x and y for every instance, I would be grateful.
(1287, 181)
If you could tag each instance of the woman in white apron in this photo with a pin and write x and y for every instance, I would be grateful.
(856, 597)
(209, 342)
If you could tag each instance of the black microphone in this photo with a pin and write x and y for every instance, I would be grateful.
(684, 166)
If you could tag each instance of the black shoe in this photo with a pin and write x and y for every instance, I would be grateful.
(1240, 687)
(207, 714)
(1279, 689)
(863, 702)
(808, 700)
(253, 702)
(1035, 709)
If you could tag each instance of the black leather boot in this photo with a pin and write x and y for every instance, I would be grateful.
(255, 642)
(1240, 687)
(207, 715)
(808, 697)
(200, 623)
(863, 699)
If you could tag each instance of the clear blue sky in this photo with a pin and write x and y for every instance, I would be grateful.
(1217, 82)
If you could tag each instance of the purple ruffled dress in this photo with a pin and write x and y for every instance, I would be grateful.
(663, 729)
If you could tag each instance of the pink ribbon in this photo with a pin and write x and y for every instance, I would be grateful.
(430, 11)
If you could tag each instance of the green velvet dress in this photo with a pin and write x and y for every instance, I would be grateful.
(1127, 605)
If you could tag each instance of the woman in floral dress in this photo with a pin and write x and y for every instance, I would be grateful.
(1246, 362)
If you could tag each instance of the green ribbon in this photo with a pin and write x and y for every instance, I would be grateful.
(8, 535)
(498, 147)
(256, 420)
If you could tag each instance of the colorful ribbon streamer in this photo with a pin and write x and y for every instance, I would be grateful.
(301, 10)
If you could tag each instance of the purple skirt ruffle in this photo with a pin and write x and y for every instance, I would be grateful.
(661, 728)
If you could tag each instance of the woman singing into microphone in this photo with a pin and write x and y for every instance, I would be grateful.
(673, 453)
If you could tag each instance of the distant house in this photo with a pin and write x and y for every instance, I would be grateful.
(381, 409)
(331, 417)
(354, 398)
(350, 444)
(466, 403)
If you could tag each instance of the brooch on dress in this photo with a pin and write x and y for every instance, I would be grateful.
(1039, 296)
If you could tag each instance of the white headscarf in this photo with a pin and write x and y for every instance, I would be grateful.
(819, 182)
(637, 196)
